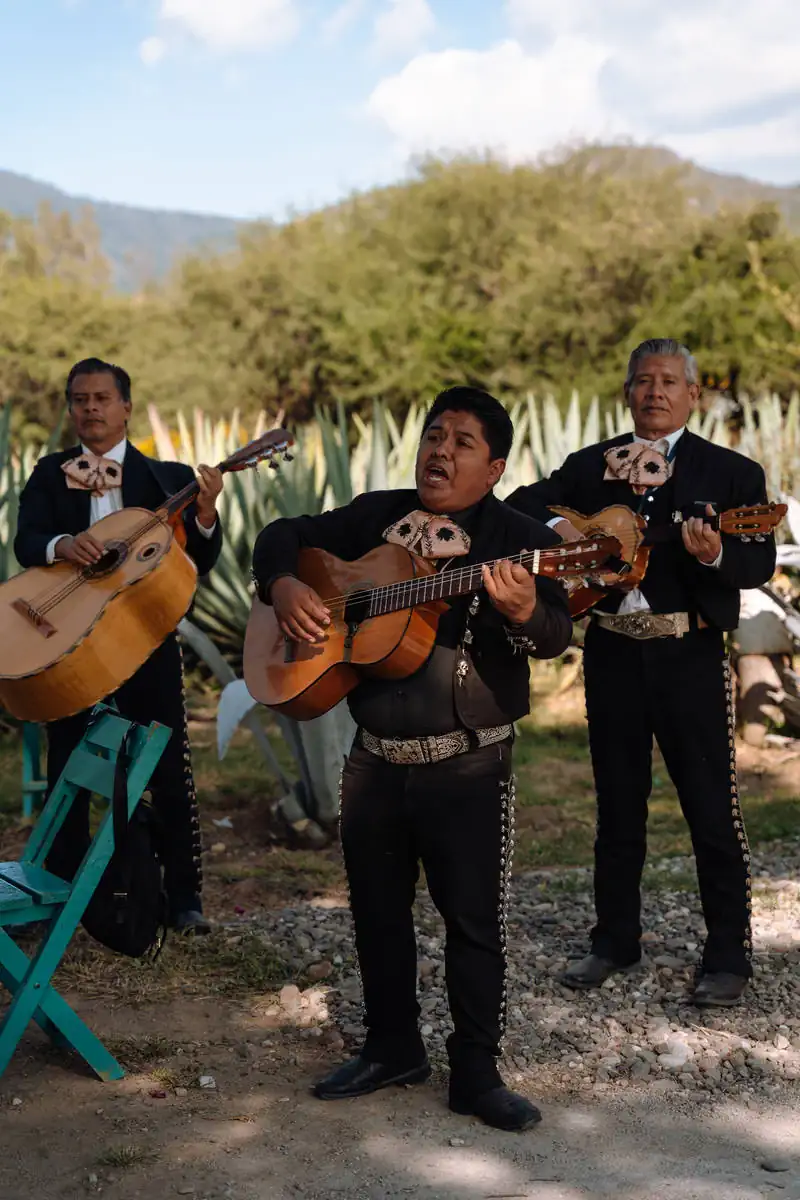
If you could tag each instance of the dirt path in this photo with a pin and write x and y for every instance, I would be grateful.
(259, 1135)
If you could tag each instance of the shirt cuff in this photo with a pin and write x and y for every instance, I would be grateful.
(201, 529)
(712, 565)
(50, 552)
(551, 524)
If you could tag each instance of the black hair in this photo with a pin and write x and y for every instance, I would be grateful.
(96, 366)
(498, 428)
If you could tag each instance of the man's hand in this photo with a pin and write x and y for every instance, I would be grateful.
(209, 480)
(702, 542)
(512, 591)
(567, 531)
(302, 616)
(83, 550)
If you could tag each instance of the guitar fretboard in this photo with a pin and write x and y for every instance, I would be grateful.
(458, 581)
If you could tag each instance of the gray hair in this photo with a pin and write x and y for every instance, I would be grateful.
(668, 348)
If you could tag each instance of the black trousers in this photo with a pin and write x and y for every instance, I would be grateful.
(456, 818)
(154, 693)
(678, 690)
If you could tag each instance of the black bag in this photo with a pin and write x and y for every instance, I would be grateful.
(128, 911)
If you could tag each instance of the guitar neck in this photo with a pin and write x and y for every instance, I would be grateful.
(459, 581)
(172, 508)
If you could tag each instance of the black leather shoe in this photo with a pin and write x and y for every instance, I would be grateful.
(500, 1107)
(359, 1078)
(592, 971)
(191, 921)
(718, 989)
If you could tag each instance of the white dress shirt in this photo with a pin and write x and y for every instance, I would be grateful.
(110, 501)
(634, 601)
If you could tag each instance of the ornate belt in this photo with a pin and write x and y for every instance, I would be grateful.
(410, 752)
(643, 625)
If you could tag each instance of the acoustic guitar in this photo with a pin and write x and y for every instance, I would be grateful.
(71, 635)
(384, 611)
(637, 539)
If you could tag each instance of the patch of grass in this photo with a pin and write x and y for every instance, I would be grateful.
(138, 1052)
(125, 1157)
(219, 964)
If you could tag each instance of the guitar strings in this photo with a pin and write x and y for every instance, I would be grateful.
(391, 591)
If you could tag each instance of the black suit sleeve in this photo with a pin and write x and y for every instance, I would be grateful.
(37, 523)
(559, 488)
(744, 564)
(204, 551)
(549, 630)
(340, 531)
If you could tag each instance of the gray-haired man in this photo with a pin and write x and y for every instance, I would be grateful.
(655, 666)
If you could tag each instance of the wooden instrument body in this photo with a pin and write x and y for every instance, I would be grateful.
(629, 529)
(101, 632)
(305, 680)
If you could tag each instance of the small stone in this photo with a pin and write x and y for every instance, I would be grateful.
(781, 1041)
(290, 997)
(187, 1190)
(669, 962)
(91, 1178)
(208, 1082)
(320, 970)
(664, 1085)
(426, 1030)
(775, 1163)
(456, 1141)
(181, 1091)
(16, 1102)
(640, 1069)
(218, 848)
(158, 1094)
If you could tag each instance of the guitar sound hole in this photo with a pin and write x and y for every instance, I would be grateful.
(115, 555)
(148, 552)
(356, 612)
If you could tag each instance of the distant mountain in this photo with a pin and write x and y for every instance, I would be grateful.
(141, 243)
(711, 189)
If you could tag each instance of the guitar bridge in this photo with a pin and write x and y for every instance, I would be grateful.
(37, 619)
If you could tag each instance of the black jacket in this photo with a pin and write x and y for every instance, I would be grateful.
(702, 471)
(47, 507)
(495, 689)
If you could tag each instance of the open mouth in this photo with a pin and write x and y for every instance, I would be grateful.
(435, 473)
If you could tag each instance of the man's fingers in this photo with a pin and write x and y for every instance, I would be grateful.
(489, 582)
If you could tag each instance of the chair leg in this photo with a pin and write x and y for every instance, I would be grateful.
(35, 999)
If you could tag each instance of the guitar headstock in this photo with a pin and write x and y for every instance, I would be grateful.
(754, 521)
(267, 448)
(579, 558)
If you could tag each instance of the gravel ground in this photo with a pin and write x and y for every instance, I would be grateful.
(638, 1031)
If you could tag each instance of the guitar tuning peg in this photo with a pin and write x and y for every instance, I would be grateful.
(287, 457)
(273, 466)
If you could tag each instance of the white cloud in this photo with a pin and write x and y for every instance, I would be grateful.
(152, 50)
(502, 98)
(342, 18)
(232, 25)
(718, 85)
(403, 27)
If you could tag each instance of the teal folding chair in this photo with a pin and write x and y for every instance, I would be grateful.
(29, 893)
(34, 784)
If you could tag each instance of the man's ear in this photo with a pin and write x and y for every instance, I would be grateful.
(496, 471)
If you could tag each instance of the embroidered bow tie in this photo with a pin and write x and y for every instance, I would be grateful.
(428, 535)
(92, 473)
(641, 466)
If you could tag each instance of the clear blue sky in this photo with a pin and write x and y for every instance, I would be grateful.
(253, 107)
